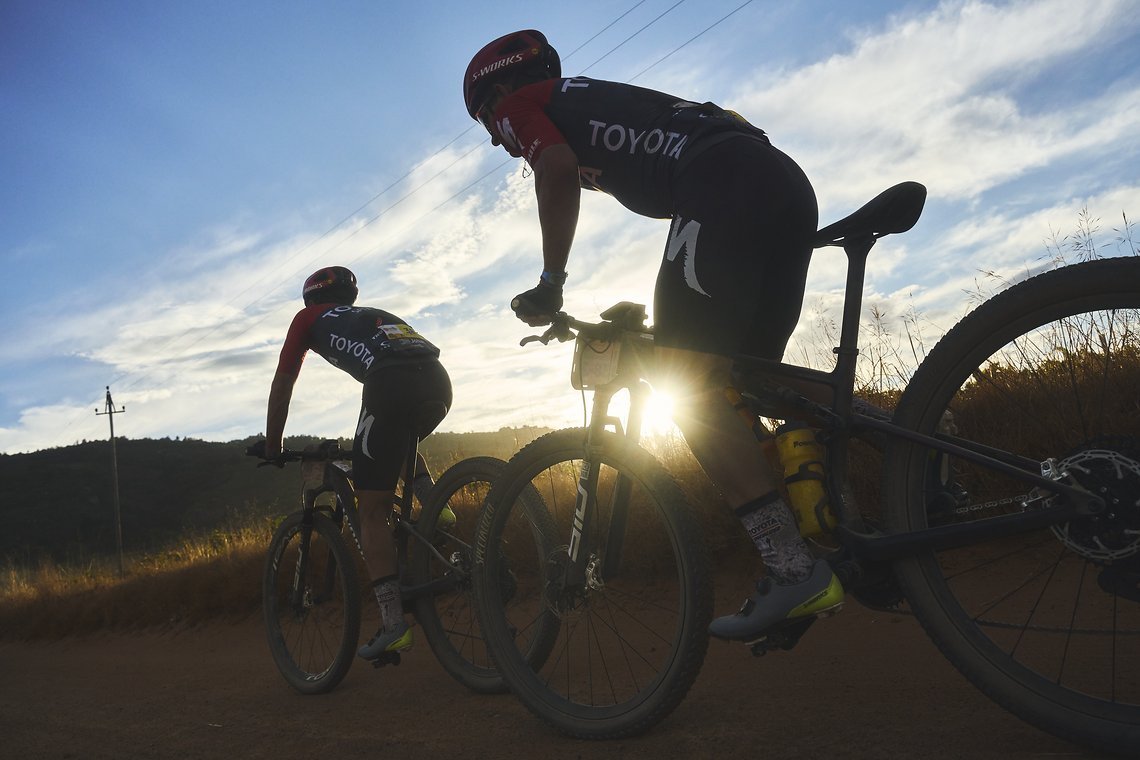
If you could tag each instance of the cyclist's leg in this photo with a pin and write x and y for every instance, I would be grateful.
(378, 454)
(392, 412)
(726, 449)
(732, 282)
(432, 400)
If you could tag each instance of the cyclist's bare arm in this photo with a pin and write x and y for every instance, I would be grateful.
(280, 394)
(559, 193)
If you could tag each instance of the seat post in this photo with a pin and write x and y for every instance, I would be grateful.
(857, 250)
(409, 475)
(847, 353)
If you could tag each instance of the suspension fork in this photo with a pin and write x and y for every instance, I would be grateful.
(585, 507)
(619, 503)
(300, 570)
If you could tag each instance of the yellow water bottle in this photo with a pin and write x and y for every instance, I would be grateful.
(801, 456)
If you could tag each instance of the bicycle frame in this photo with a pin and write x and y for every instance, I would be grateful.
(840, 423)
(337, 480)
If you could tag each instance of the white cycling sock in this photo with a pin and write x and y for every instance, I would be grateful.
(772, 527)
(387, 592)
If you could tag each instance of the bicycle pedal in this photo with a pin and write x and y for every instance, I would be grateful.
(783, 637)
(386, 658)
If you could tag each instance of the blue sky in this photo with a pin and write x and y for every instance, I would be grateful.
(173, 170)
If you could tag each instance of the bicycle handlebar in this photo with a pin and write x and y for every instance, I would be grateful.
(624, 316)
(325, 451)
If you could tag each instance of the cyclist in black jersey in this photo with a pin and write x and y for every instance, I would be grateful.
(731, 280)
(401, 375)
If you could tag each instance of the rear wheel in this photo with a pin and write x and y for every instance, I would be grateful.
(448, 619)
(311, 603)
(1047, 623)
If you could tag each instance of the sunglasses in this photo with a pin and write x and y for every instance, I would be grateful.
(486, 117)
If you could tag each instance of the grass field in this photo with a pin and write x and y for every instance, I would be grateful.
(218, 575)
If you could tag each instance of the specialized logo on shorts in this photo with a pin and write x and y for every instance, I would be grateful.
(363, 429)
(683, 237)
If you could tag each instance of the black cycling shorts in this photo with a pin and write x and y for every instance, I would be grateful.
(396, 400)
(735, 266)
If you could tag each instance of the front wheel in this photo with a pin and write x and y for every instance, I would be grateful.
(1047, 623)
(311, 603)
(629, 619)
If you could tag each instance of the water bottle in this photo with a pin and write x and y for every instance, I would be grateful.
(801, 456)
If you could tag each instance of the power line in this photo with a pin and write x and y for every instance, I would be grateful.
(387, 209)
(410, 193)
(630, 37)
(350, 216)
(603, 30)
(716, 23)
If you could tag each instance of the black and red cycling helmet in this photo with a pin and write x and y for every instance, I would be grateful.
(330, 285)
(513, 53)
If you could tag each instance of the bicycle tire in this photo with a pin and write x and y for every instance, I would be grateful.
(449, 622)
(313, 641)
(1047, 368)
(631, 639)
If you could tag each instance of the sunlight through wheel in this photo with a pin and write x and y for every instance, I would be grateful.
(1047, 622)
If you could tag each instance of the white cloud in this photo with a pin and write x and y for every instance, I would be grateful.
(934, 97)
(958, 97)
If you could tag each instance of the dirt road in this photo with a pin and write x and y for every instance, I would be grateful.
(860, 685)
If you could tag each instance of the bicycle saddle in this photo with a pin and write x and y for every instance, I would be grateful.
(893, 210)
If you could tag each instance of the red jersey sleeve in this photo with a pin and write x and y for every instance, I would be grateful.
(297, 341)
(522, 122)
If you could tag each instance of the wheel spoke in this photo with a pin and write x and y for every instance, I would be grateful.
(595, 656)
(1047, 622)
(313, 611)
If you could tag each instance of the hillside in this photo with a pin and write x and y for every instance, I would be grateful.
(58, 503)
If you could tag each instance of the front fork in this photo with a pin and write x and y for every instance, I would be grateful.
(297, 596)
(583, 568)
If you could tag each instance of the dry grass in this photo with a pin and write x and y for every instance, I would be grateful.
(217, 576)
(212, 577)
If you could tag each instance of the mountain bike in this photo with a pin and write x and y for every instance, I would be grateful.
(311, 586)
(1007, 518)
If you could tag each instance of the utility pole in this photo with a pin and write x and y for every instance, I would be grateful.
(111, 412)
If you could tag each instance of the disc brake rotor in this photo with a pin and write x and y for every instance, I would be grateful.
(1114, 534)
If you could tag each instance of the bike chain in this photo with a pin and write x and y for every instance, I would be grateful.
(1021, 499)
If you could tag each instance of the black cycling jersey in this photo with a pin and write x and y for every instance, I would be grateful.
(735, 266)
(357, 339)
(631, 142)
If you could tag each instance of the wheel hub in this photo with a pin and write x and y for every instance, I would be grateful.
(1113, 476)
(562, 596)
